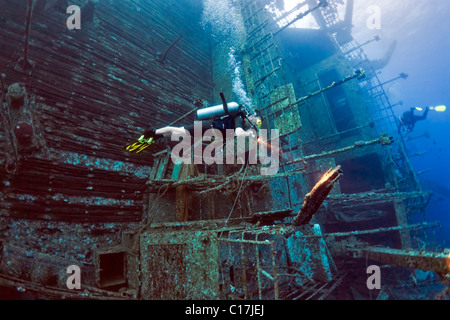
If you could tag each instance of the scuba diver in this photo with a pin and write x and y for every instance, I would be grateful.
(220, 117)
(409, 119)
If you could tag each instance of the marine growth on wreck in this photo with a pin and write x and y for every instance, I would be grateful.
(94, 205)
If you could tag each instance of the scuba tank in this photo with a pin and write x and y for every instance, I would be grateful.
(225, 108)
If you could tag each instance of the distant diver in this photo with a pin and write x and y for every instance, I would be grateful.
(409, 119)
(220, 117)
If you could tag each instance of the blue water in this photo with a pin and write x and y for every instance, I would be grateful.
(421, 30)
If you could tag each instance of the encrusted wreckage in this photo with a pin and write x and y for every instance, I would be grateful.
(143, 227)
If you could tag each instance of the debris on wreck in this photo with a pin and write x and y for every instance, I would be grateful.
(315, 198)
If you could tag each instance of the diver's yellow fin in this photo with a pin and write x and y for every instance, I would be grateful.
(140, 145)
(133, 146)
(142, 148)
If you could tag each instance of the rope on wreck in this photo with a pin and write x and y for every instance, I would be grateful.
(236, 199)
(226, 183)
(147, 221)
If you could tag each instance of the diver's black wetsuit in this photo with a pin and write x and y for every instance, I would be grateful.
(220, 123)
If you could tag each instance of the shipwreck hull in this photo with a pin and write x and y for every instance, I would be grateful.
(139, 226)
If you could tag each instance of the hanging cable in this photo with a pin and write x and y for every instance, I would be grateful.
(236, 199)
